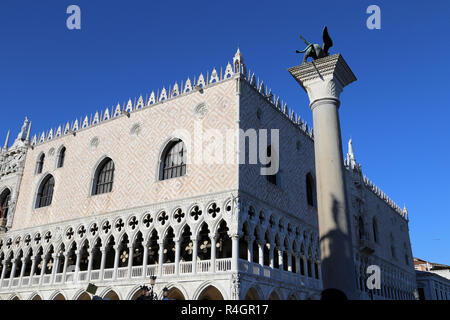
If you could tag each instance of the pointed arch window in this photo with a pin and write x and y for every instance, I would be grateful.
(173, 162)
(5, 198)
(104, 177)
(310, 194)
(40, 164)
(361, 228)
(45, 192)
(375, 230)
(61, 158)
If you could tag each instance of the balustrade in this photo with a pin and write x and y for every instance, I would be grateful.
(168, 269)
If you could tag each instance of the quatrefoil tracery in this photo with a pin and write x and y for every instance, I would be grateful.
(133, 223)
(163, 217)
(179, 215)
(120, 225)
(196, 213)
(69, 233)
(213, 210)
(148, 220)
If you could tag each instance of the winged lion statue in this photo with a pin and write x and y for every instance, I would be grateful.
(316, 51)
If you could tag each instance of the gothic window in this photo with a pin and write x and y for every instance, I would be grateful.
(187, 245)
(45, 192)
(40, 164)
(173, 161)
(5, 198)
(169, 246)
(223, 245)
(361, 228)
(375, 230)
(271, 178)
(310, 190)
(61, 158)
(204, 243)
(104, 177)
(393, 253)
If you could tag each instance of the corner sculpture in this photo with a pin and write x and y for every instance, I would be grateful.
(315, 51)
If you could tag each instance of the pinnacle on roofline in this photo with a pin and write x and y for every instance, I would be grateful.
(132, 105)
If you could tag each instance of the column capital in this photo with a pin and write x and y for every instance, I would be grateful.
(324, 78)
(235, 236)
(213, 236)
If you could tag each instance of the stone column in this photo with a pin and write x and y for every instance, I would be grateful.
(130, 259)
(22, 270)
(116, 260)
(77, 265)
(250, 240)
(161, 258)
(261, 252)
(145, 261)
(3, 273)
(280, 259)
(235, 252)
(194, 255)
(13, 273)
(91, 258)
(324, 80)
(54, 268)
(271, 255)
(213, 252)
(289, 262)
(102, 263)
(177, 255)
(44, 265)
(66, 261)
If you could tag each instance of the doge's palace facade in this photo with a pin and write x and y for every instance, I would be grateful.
(119, 196)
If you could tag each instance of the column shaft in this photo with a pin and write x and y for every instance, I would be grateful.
(194, 256)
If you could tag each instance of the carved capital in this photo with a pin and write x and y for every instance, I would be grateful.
(323, 79)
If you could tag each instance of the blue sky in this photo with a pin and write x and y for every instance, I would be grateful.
(397, 112)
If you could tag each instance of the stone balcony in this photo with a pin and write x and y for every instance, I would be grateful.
(141, 274)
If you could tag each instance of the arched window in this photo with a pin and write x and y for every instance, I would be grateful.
(173, 162)
(375, 229)
(310, 190)
(104, 177)
(45, 192)
(5, 197)
(61, 157)
(40, 164)
(361, 228)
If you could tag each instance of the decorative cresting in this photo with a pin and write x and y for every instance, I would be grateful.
(237, 69)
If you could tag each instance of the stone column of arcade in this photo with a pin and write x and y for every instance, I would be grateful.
(324, 80)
